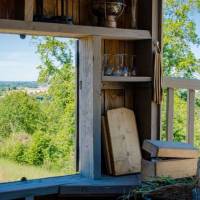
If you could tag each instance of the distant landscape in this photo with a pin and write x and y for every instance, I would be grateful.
(6, 85)
(37, 118)
(31, 87)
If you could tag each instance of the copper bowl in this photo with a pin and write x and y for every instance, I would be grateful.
(108, 11)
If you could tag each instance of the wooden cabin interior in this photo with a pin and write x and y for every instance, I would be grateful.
(97, 93)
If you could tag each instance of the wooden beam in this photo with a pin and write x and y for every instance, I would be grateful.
(66, 30)
(190, 116)
(156, 32)
(90, 107)
(29, 7)
(77, 106)
(170, 113)
(181, 83)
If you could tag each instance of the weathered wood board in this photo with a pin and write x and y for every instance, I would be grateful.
(174, 168)
(12, 9)
(106, 147)
(124, 141)
(170, 149)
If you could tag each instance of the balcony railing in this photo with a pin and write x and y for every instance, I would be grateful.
(192, 85)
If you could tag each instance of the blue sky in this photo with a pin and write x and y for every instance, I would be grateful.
(196, 17)
(18, 60)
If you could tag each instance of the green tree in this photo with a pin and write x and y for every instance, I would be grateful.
(179, 34)
(58, 71)
(19, 112)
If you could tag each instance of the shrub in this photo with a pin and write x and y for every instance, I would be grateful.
(20, 112)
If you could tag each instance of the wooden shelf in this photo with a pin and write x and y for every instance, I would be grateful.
(68, 185)
(73, 31)
(126, 79)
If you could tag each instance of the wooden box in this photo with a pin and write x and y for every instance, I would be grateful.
(169, 159)
(173, 168)
(163, 149)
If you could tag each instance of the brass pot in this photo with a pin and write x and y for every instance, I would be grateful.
(107, 12)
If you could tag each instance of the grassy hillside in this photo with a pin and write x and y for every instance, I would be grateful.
(11, 171)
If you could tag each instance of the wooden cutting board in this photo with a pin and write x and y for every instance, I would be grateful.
(125, 144)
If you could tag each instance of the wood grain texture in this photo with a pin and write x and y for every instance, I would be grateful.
(177, 168)
(29, 8)
(107, 147)
(113, 99)
(170, 114)
(66, 185)
(12, 9)
(65, 30)
(124, 141)
(50, 7)
(126, 79)
(190, 116)
(181, 83)
(76, 13)
(3, 9)
(90, 107)
(163, 149)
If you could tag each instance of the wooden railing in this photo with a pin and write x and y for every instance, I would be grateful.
(191, 85)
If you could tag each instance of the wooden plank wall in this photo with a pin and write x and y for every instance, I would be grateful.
(80, 11)
(137, 98)
(12, 9)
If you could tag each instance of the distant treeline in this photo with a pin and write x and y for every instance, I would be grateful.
(6, 85)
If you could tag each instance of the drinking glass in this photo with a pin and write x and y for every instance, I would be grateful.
(107, 65)
(132, 65)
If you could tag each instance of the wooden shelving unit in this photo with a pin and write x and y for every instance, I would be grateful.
(126, 79)
(94, 99)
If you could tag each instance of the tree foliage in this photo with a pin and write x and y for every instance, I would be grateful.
(179, 60)
(179, 35)
(50, 121)
(20, 112)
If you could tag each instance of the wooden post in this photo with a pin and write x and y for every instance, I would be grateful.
(190, 116)
(156, 30)
(90, 107)
(29, 7)
(170, 113)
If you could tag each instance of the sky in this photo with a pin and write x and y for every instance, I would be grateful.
(19, 61)
(18, 58)
(196, 17)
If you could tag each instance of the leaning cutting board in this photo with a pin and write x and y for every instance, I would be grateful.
(125, 144)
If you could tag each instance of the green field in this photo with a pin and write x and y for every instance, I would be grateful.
(11, 171)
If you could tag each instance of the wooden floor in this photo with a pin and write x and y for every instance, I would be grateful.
(74, 185)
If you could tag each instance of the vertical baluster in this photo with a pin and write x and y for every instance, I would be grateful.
(190, 116)
(170, 113)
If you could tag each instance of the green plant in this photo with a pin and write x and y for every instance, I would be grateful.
(19, 112)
